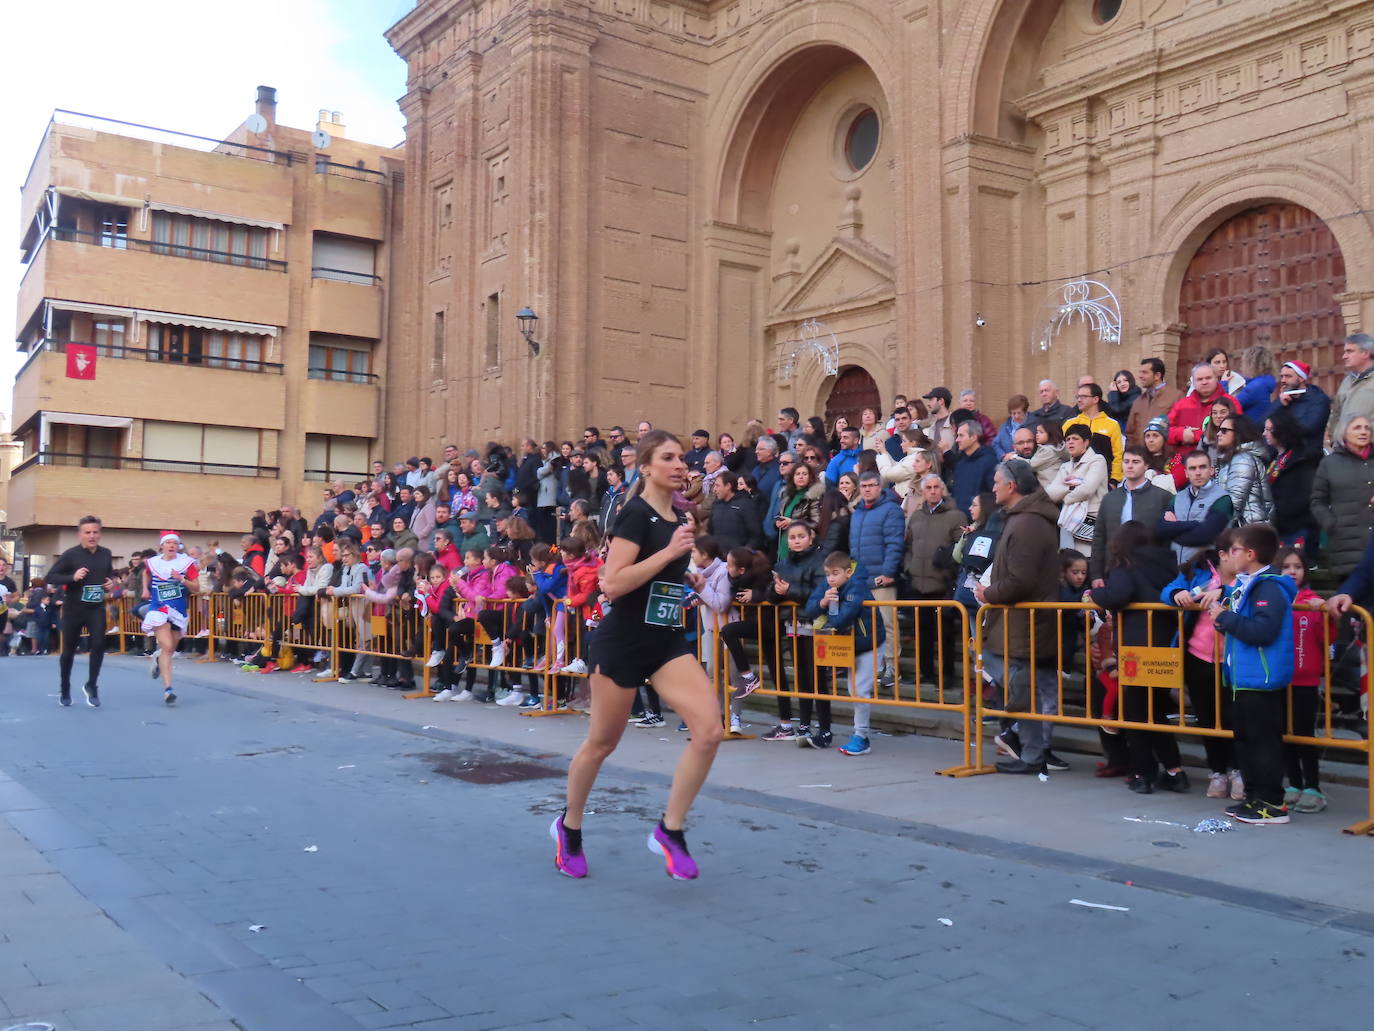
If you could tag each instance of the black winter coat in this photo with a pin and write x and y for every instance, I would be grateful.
(735, 523)
(1151, 569)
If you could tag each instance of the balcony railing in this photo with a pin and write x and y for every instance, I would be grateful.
(368, 175)
(175, 250)
(342, 275)
(335, 474)
(202, 361)
(158, 465)
(340, 376)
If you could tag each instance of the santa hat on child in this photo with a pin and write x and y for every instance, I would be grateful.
(1303, 370)
(172, 534)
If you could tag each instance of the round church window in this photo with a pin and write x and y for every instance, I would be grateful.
(861, 141)
(1105, 10)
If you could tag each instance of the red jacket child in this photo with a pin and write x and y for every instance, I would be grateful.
(1311, 636)
(583, 580)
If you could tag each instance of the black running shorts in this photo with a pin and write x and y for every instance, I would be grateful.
(631, 660)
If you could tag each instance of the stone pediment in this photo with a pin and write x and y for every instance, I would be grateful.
(847, 271)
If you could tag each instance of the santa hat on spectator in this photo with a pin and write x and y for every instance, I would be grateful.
(162, 538)
(1303, 370)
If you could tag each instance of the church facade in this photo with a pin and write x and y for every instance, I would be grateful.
(720, 207)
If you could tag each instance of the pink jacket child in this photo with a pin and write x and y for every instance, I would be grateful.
(481, 583)
(500, 576)
(386, 592)
(475, 585)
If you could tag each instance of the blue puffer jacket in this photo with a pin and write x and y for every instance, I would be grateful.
(877, 536)
(1259, 633)
(842, 463)
(867, 624)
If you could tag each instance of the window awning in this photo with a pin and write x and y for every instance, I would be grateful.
(91, 309)
(165, 317)
(99, 198)
(241, 220)
(224, 325)
(78, 419)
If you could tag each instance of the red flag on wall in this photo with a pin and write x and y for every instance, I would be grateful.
(81, 361)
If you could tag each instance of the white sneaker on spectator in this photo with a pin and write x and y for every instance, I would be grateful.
(442, 696)
(577, 667)
(435, 658)
(462, 696)
(1218, 786)
(734, 724)
(512, 698)
(498, 654)
(1237, 786)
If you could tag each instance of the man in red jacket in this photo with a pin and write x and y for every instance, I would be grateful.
(1187, 413)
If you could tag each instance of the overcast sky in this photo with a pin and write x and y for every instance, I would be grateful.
(191, 66)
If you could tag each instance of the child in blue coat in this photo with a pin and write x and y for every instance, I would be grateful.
(1258, 667)
(840, 600)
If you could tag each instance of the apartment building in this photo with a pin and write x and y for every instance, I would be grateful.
(231, 293)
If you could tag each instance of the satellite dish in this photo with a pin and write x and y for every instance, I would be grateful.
(320, 139)
(255, 123)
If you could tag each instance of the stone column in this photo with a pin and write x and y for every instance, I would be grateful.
(551, 128)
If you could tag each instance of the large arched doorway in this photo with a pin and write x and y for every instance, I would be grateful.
(808, 182)
(1268, 275)
(854, 390)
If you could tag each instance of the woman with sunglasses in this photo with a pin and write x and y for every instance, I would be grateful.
(1241, 468)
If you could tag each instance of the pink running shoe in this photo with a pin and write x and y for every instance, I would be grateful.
(570, 864)
(679, 865)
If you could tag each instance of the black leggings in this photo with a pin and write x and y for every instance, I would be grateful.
(458, 638)
(764, 629)
(75, 616)
(1199, 676)
(1147, 746)
(1302, 760)
(811, 681)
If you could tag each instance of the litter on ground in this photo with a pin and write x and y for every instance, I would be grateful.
(1099, 905)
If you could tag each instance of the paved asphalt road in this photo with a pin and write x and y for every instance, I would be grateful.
(140, 846)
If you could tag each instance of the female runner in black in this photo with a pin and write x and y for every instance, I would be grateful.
(644, 637)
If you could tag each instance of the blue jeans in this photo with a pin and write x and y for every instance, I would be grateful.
(1035, 734)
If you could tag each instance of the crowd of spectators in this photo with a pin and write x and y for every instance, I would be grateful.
(932, 498)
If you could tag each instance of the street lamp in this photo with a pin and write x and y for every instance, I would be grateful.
(527, 318)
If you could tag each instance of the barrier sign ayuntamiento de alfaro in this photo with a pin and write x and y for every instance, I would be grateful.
(1151, 667)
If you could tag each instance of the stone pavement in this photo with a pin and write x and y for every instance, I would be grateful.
(161, 836)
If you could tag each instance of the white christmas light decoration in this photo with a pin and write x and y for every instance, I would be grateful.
(811, 336)
(1087, 299)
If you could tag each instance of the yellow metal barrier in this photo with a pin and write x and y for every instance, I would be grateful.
(782, 641)
(1164, 631)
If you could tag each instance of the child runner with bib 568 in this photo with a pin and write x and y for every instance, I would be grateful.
(644, 637)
